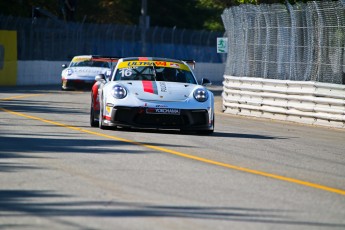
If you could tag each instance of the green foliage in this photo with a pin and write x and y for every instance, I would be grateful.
(189, 14)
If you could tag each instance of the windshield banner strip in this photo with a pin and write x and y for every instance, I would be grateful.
(79, 59)
(129, 64)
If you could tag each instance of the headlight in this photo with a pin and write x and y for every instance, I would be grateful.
(119, 92)
(69, 72)
(200, 95)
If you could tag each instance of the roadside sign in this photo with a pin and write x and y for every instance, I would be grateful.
(222, 45)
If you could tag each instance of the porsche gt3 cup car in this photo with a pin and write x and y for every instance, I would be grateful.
(82, 70)
(154, 93)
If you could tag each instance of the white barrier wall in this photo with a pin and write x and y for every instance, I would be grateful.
(305, 102)
(49, 72)
(212, 71)
(39, 72)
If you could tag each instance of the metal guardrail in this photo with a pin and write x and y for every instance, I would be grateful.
(48, 39)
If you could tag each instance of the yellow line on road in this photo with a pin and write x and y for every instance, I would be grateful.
(204, 160)
(20, 96)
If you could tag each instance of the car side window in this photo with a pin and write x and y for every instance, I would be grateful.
(190, 78)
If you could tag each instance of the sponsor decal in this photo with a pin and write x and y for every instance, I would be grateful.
(161, 106)
(144, 63)
(139, 63)
(108, 109)
(175, 65)
(160, 63)
(86, 70)
(131, 64)
(150, 87)
(163, 111)
(163, 86)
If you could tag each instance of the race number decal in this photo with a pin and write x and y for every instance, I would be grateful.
(126, 72)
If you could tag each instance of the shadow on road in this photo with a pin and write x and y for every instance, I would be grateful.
(39, 203)
(247, 136)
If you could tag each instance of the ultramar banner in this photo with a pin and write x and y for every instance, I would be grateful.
(8, 57)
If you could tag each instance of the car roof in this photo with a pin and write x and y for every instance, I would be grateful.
(83, 56)
(96, 56)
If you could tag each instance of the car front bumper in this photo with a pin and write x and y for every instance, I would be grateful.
(77, 84)
(194, 119)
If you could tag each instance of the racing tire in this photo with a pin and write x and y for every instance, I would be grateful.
(207, 131)
(93, 122)
(100, 119)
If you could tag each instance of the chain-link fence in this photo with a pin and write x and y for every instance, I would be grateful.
(49, 39)
(303, 42)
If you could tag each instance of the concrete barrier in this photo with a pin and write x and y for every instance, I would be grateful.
(39, 72)
(298, 101)
(49, 72)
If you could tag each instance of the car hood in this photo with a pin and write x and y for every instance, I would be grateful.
(160, 90)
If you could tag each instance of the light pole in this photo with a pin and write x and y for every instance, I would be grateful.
(144, 24)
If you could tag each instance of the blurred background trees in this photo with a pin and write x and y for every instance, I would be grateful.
(188, 14)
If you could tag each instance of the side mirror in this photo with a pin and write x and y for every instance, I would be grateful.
(64, 66)
(108, 74)
(205, 82)
(100, 78)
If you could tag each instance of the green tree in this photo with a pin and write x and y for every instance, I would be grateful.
(189, 14)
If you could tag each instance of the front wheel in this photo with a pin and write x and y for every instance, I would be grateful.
(208, 131)
(100, 119)
(93, 122)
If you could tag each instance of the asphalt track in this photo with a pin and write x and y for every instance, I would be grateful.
(59, 173)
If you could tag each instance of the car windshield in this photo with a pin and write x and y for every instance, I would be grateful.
(154, 73)
(89, 63)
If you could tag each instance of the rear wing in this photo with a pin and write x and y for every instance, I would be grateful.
(191, 63)
(113, 60)
(105, 58)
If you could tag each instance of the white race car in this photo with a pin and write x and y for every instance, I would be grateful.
(82, 70)
(158, 93)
